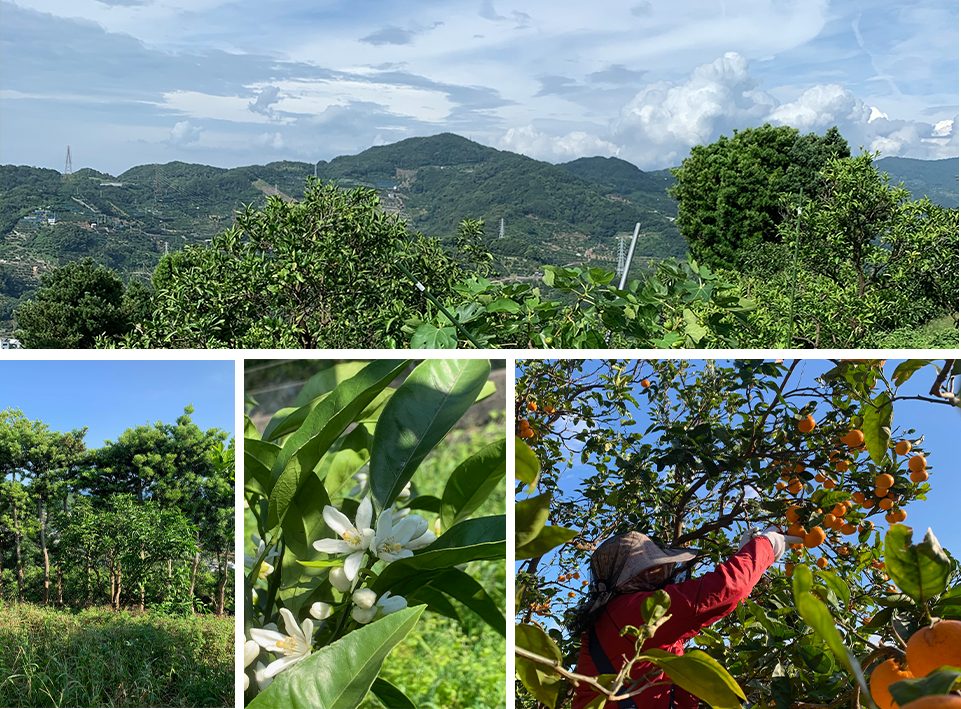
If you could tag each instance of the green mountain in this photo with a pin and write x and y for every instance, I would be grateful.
(935, 179)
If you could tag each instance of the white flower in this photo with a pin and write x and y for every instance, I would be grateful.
(295, 646)
(265, 567)
(321, 610)
(385, 605)
(260, 674)
(251, 650)
(404, 494)
(354, 540)
(393, 542)
(338, 579)
(365, 598)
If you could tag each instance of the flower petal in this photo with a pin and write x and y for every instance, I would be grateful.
(352, 564)
(336, 520)
(251, 651)
(422, 541)
(267, 639)
(281, 664)
(321, 610)
(364, 514)
(363, 616)
(332, 546)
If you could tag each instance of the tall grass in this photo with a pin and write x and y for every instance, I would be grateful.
(102, 658)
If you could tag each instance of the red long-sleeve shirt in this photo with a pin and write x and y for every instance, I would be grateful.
(695, 604)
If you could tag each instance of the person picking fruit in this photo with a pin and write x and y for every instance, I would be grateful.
(627, 569)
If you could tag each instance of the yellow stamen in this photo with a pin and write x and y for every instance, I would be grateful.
(287, 645)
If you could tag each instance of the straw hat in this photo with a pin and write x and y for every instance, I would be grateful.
(621, 558)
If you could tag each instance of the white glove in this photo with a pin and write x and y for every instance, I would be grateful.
(779, 541)
(748, 535)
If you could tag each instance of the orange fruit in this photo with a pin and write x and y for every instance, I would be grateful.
(796, 530)
(903, 447)
(848, 529)
(867, 504)
(795, 487)
(919, 476)
(935, 701)
(806, 425)
(866, 525)
(814, 538)
(780, 486)
(822, 562)
(881, 491)
(842, 466)
(531, 406)
(584, 583)
(886, 504)
(799, 468)
(829, 519)
(830, 484)
(788, 569)
(885, 674)
(791, 514)
(571, 594)
(562, 578)
(526, 433)
(917, 462)
(853, 438)
(900, 515)
(838, 524)
(883, 480)
(548, 409)
(577, 574)
(858, 497)
(645, 383)
(840, 509)
(524, 423)
(936, 645)
(819, 478)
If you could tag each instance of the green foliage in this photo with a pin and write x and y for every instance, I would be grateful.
(76, 304)
(732, 194)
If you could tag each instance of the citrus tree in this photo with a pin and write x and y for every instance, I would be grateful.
(692, 453)
(344, 562)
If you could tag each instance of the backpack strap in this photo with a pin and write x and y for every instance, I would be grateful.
(603, 663)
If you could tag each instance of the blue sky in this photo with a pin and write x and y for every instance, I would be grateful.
(940, 425)
(111, 396)
(127, 82)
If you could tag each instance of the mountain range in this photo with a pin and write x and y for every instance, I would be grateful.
(552, 214)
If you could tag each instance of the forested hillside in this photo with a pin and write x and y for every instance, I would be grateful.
(145, 521)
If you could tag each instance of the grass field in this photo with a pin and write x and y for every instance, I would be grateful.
(102, 658)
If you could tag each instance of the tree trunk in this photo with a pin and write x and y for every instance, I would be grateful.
(87, 580)
(221, 583)
(16, 537)
(59, 584)
(46, 556)
(193, 573)
(143, 586)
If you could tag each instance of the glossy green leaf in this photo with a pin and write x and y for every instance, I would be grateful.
(418, 416)
(259, 458)
(339, 466)
(529, 518)
(339, 676)
(431, 337)
(937, 682)
(526, 465)
(472, 482)
(390, 696)
(836, 584)
(537, 678)
(471, 540)
(920, 570)
(304, 448)
(462, 587)
(436, 602)
(906, 369)
(547, 539)
(250, 431)
(802, 579)
(326, 564)
(326, 380)
(428, 503)
(288, 420)
(487, 392)
(304, 522)
(655, 606)
(876, 426)
(701, 675)
(818, 617)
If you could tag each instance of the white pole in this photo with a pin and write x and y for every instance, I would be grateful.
(630, 256)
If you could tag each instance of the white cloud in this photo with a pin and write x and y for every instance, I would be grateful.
(535, 144)
(183, 133)
(821, 107)
(271, 140)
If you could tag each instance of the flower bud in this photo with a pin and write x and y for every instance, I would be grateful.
(338, 579)
(321, 610)
(365, 598)
(363, 616)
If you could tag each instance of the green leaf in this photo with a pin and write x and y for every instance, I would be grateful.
(428, 503)
(431, 337)
(655, 606)
(547, 539)
(802, 579)
(526, 464)
(876, 426)
(462, 587)
(259, 458)
(391, 696)
(472, 482)
(329, 563)
(537, 678)
(530, 516)
(906, 369)
(921, 571)
(250, 431)
(326, 380)
(418, 417)
(836, 584)
(304, 448)
(339, 675)
(937, 682)
(701, 675)
(304, 522)
(816, 614)
(488, 391)
(503, 305)
(339, 466)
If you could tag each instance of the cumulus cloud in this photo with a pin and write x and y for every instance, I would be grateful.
(183, 133)
(270, 140)
(535, 144)
(664, 120)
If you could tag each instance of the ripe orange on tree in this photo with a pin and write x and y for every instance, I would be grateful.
(820, 478)
(830, 484)
(806, 425)
(526, 433)
(524, 423)
(903, 447)
(917, 462)
(881, 491)
(840, 509)
(884, 480)
(919, 476)
(886, 504)
(853, 438)
(858, 497)
(780, 486)
(933, 646)
(895, 516)
(884, 675)
(645, 383)
(849, 529)
(788, 569)
(531, 405)
(795, 487)
(791, 514)
(822, 562)
(814, 538)
(842, 466)
(571, 594)
(548, 409)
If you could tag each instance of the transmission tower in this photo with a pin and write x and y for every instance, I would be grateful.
(502, 228)
(620, 256)
(68, 165)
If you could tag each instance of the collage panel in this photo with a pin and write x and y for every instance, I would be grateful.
(375, 533)
(736, 533)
